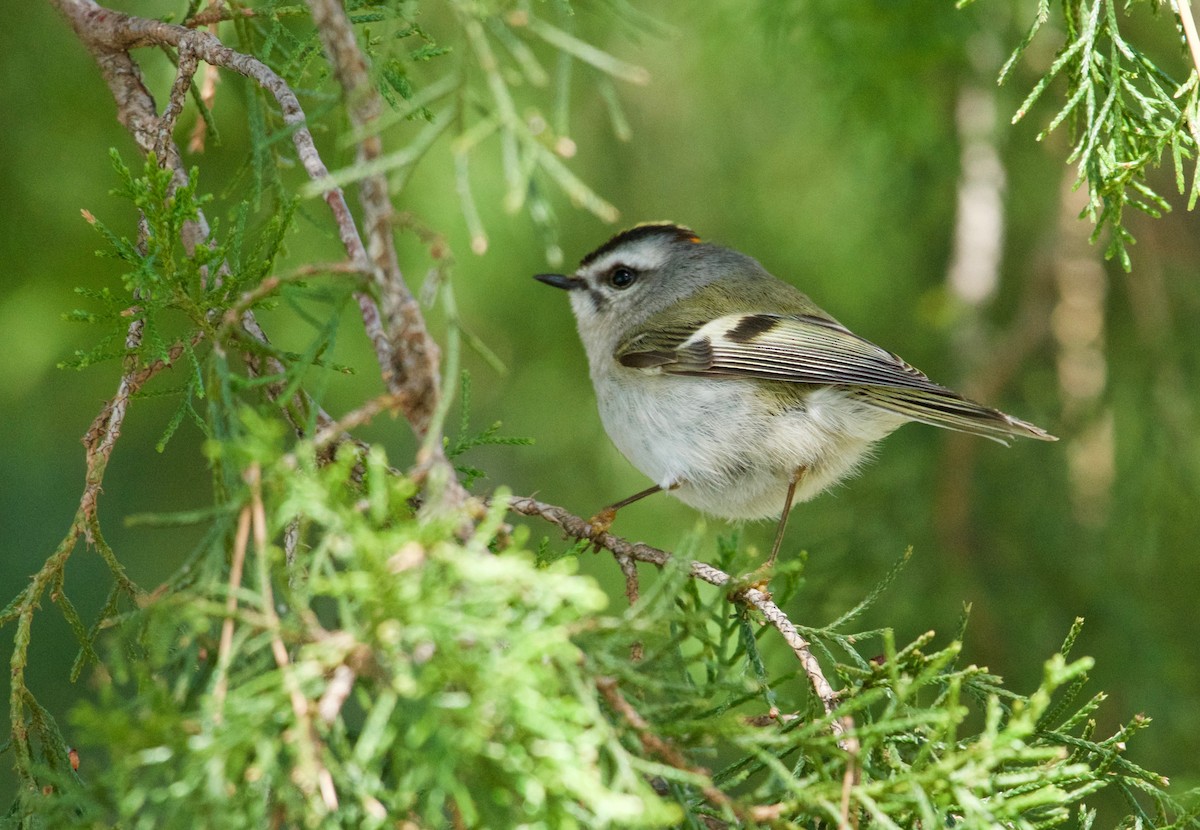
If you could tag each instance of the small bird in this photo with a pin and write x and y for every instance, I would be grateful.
(730, 389)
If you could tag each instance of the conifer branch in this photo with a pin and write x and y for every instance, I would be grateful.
(409, 357)
(632, 591)
(756, 598)
(656, 745)
(406, 353)
(310, 683)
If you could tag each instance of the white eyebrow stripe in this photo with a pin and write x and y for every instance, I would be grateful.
(635, 256)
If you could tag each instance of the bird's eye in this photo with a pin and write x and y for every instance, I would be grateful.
(622, 277)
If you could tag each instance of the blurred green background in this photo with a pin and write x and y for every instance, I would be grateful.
(843, 146)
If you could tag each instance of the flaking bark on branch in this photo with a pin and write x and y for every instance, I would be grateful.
(406, 354)
(414, 357)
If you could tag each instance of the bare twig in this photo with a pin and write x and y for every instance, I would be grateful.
(216, 12)
(629, 569)
(110, 34)
(271, 284)
(312, 771)
(336, 431)
(184, 73)
(208, 99)
(225, 646)
(101, 437)
(658, 746)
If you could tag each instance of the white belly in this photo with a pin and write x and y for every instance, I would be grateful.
(722, 451)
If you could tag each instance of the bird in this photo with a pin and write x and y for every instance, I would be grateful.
(730, 389)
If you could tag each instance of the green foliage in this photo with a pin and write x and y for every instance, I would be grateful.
(393, 669)
(1123, 114)
(173, 291)
(163, 277)
(481, 75)
(467, 440)
(464, 692)
(344, 647)
(941, 744)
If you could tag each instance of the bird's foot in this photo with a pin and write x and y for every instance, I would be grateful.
(598, 525)
(758, 579)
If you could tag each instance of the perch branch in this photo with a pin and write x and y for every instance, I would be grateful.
(579, 528)
(629, 552)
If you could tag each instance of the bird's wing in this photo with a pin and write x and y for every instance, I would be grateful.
(810, 349)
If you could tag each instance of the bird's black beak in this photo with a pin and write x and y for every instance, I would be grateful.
(560, 281)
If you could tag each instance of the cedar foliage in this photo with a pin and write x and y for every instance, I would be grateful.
(344, 648)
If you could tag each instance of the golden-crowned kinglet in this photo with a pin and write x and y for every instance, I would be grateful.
(732, 390)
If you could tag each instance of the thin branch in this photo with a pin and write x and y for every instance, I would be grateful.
(312, 771)
(185, 71)
(217, 12)
(101, 437)
(99, 442)
(271, 284)
(337, 431)
(658, 746)
(579, 528)
(225, 645)
(107, 34)
(207, 96)
(406, 354)
(414, 356)
(1184, 9)
(632, 590)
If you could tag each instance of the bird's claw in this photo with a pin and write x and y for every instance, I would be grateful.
(598, 525)
(758, 579)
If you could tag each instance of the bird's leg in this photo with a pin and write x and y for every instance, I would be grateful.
(787, 509)
(602, 521)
